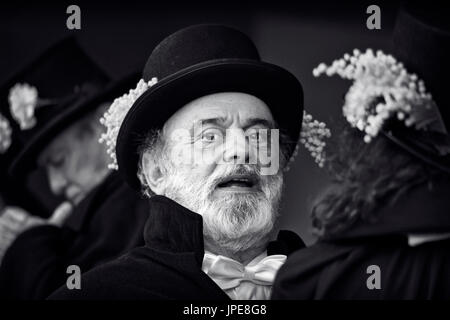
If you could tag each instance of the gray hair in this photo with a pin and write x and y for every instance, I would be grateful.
(155, 145)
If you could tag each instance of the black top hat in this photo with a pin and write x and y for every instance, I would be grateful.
(72, 84)
(197, 61)
(421, 41)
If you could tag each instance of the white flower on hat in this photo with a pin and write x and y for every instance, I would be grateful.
(312, 136)
(382, 89)
(114, 116)
(5, 134)
(23, 100)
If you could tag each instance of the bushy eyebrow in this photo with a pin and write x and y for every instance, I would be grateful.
(255, 121)
(221, 121)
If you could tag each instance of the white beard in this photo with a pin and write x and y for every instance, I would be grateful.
(232, 221)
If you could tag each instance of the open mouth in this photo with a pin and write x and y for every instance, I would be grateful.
(238, 182)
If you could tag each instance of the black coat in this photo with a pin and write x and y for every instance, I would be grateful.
(337, 267)
(168, 266)
(106, 224)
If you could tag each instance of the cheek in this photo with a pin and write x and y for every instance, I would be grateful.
(83, 167)
(78, 169)
(195, 160)
(203, 170)
(195, 169)
(193, 156)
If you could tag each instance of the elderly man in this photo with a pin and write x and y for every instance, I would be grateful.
(201, 139)
(101, 217)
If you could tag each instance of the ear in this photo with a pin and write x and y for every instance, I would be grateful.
(153, 174)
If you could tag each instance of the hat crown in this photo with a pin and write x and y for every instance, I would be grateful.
(197, 44)
(58, 70)
(421, 41)
(57, 74)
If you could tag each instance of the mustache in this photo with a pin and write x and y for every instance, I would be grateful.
(228, 170)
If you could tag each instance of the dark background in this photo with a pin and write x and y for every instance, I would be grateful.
(297, 36)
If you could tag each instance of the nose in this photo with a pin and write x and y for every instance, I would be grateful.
(56, 180)
(236, 149)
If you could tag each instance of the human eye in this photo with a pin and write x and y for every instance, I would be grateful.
(254, 135)
(257, 135)
(57, 160)
(211, 135)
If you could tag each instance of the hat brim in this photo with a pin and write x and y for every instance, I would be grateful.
(27, 157)
(277, 87)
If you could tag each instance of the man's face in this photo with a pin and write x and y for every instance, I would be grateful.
(74, 161)
(239, 205)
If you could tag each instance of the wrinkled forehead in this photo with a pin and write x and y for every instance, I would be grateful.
(225, 108)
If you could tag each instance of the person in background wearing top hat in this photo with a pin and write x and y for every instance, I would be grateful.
(384, 226)
(25, 119)
(54, 108)
(211, 221)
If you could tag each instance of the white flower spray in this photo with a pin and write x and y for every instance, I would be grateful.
(114, 116)
(5, 134)
(313, 136)
(382, 89)
(23, 100)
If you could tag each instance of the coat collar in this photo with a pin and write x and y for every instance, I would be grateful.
(423, 209)
(173, 228)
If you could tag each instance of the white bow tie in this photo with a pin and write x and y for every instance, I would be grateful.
(229, 273)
